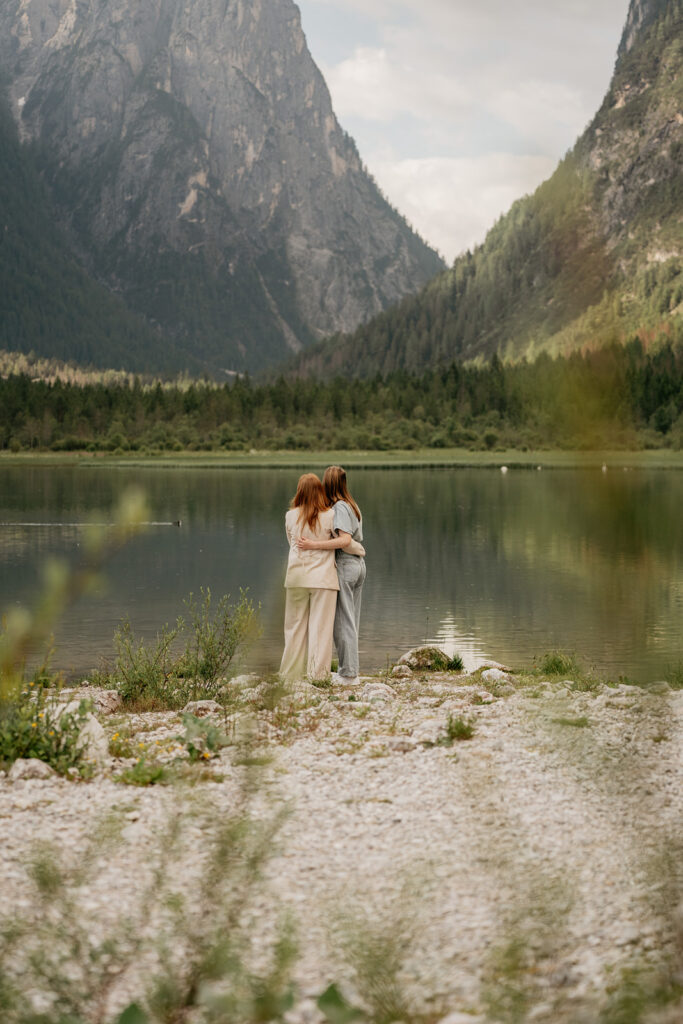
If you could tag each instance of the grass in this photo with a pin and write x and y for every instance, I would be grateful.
(353, 459)
(576, 723)
(674, 675)
(558, 663)
(457, 729)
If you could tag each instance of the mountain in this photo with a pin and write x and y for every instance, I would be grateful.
(48, 303)
(196, 170)
(594, 255)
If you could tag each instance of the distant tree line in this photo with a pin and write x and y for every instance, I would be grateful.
(618, 396)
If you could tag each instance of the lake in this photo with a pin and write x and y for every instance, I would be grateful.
(491, 565)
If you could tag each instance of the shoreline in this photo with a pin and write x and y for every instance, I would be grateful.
(442, 458)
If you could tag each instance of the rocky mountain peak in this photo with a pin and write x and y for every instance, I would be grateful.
(193, 156)
(641, 14)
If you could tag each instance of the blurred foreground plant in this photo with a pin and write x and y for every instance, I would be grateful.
(183, 944)
(31, 724)
(24, 631)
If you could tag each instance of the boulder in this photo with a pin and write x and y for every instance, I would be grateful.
(31, 768)
(107, 702)
(202, 708)
(425, 659)
(244, 682)
(401, 744)
(377, 692)
(92, 737)
(461, 1018)
(429, 731)
(495, 675)
(402, 671)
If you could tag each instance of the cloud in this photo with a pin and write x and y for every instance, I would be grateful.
(372, 85)
(460, 106)
(453, 202)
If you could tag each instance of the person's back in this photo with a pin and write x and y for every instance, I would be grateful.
(314, 568)
(346, 520)
(311, 585)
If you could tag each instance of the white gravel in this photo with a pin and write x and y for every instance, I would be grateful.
(543, 828)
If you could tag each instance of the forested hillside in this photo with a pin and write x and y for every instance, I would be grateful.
(594, 255)
(617, 397)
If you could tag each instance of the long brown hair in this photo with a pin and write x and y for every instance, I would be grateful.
(309, 499)
(334, 482)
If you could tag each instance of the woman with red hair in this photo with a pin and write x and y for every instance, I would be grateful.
(311, 583)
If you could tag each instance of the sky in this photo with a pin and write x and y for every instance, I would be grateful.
(459, 107)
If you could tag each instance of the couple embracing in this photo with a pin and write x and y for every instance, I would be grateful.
(324, 581)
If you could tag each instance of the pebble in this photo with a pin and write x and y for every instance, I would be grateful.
(202, 708)
(377, 692)
(456, 848)
(30, 768)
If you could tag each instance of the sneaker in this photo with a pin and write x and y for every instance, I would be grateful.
(345, 680)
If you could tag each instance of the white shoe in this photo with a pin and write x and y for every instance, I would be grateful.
(345, 680)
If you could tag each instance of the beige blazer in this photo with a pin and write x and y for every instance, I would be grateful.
(311, 569)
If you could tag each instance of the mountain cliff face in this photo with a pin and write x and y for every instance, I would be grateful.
(195, 163)
(596, 254)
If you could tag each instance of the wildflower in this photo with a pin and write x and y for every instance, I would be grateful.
(34, 725)
(141, 744)
(32, 683)
(41, 714)
(115, 736)
(206, 754)
(52, 732)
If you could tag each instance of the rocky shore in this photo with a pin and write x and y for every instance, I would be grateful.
(511, 841)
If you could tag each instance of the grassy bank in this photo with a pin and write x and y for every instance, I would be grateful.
(414, 458)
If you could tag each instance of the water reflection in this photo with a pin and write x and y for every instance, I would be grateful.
(491, 565)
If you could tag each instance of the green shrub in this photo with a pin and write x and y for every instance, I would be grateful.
(120, 744)
(33, 726)
(216, 638)
(202, 739)
(145, 773)
(458, 729)
(556, 663)
(144, 672)
(674, 676)
(190, 661)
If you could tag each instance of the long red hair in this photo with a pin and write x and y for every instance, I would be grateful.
(334, 482)
(309, 499)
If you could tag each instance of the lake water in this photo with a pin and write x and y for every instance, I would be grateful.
(492, 565)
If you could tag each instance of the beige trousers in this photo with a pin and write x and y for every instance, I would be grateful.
(309, 621)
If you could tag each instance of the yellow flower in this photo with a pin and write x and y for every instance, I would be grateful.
(41, 714)
(31, 683)
(52, 732)
(115, 736)
(206, 754)
(34, 725)
(141, 744)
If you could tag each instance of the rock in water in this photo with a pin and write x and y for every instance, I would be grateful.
(425, 659)
(195, 159)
